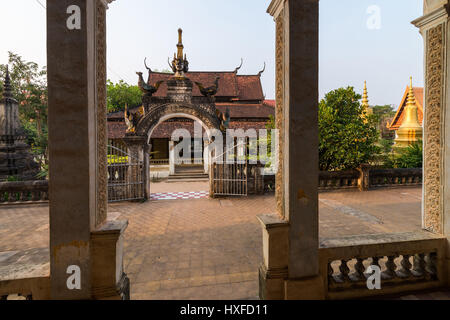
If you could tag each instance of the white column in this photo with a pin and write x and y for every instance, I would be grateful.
(171, 157)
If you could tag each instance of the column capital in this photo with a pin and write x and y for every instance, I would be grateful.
(432, 17)
(275, 7)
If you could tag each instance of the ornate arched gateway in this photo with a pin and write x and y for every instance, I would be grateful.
(177, 103)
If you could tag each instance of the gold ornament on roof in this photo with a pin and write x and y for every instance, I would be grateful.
(410, 130)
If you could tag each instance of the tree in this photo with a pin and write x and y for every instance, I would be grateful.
(29, 83)
(382, 112)
(347, 136)
(120, 94)
(409, 157)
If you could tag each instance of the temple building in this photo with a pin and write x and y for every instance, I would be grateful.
(239, 97)
(408, 120)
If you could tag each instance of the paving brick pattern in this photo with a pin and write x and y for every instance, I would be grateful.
(179, 195)
(211, 248)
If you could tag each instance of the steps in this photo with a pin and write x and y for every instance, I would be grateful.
(189, 173)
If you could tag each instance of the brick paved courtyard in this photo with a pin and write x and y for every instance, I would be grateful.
(204, 248)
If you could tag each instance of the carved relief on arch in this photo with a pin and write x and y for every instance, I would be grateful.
(152, 119)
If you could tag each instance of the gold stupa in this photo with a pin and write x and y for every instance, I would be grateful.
(410, 131)
(365, 101)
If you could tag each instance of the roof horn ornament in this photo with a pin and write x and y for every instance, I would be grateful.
(262, 71)
(238, 68)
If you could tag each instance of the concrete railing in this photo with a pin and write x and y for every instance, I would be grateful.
(408, 262)
(364, 178)
(23, 192)
(159, 162)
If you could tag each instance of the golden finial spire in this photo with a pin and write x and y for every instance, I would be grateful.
(365, 97)
(411, 96)
(179, 64)
(180, 44)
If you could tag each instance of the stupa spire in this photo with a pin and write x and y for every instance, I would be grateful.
(365, 97)
(365, 101)
(411, 119)
(180, 45)
(179, 64)
(7, 90)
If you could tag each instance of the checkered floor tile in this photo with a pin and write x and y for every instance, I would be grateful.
(179, 195)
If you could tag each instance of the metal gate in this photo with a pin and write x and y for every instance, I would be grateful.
(125, 175)
(229, 179)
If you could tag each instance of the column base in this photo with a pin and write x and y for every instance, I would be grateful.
(304, 289)
(271, 283)
(109, 282)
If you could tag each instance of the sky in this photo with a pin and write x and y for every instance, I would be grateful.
(360, 40)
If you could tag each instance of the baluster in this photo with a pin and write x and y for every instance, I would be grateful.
(12, 197)
(343, 268)
(375, 262)
(330, 273)
(329, 183)
(24, 196)
(389, 273)
(405, 271)
(35, 196)
(358, 275)
(430, 264)
(418, 269)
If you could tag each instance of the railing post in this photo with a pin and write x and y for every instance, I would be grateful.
(364, 177)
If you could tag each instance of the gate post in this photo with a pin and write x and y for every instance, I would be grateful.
(137, 150)
(146, 175)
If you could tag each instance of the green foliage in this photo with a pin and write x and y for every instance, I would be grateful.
(120, 94)
(409, 157)
(29, 83)
(382, 112)
(346, 136)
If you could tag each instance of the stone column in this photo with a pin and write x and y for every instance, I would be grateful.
(77, 143)
(434, 29)
(297, 185)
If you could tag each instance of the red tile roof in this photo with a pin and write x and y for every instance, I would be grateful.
(247, 111)
(231, 85)
(270, 103)
(398, 119)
